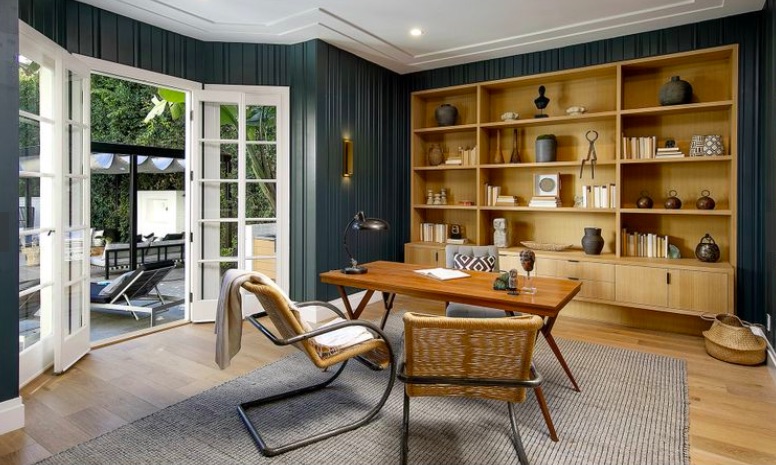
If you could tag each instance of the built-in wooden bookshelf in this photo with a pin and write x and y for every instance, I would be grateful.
(621, 101)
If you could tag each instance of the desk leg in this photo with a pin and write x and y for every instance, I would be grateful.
(547, 332)
(388, 302)
(546, 413)
(354, 314)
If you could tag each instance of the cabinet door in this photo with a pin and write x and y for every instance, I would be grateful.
(699, 290)
(419, 255)
(642, 285)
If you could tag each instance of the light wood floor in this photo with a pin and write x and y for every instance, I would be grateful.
(732, 408)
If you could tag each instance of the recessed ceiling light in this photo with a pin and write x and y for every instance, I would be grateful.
(416, 32)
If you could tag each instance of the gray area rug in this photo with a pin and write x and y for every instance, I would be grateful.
(633, 409)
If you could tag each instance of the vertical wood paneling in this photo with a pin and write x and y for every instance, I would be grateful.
(9, 201)
(768, 168)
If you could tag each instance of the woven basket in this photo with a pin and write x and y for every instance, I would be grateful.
(729, 339)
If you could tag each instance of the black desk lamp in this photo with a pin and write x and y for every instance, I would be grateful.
(359, 222)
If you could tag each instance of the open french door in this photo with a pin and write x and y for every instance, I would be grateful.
(53, 206)
(240, 190)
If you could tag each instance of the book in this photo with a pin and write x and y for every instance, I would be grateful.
(461, 241)
(442, 274)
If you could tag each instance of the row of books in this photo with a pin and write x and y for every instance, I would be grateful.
(464, 157)
(493, 197)
(636, 244)
(603, 196)
(433, 232)
(636, 148)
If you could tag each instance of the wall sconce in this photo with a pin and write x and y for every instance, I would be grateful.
(347, 158)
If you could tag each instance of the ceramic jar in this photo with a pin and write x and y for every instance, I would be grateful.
(707, 250)
(435, 155)
(546, 148)
(592, 242)
(645, 201)
(675, 92)
(673, 202)
(705, 202)
(446, 114)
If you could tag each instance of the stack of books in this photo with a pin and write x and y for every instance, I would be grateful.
(506, 201)
(603, 196)
(544, 201)
(650, 245)
(460, 241)
(669, 152)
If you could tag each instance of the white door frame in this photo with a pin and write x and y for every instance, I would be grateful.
(204, 304)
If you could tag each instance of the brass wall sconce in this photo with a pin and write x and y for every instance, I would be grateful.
(347, 158)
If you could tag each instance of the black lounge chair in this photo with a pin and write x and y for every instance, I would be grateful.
(136, 291)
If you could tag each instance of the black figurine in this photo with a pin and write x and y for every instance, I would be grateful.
(541, 103)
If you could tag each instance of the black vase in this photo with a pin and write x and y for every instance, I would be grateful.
(675, 92)
(592, 242)
(446, 114)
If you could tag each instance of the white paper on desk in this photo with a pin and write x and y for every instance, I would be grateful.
(443, 274)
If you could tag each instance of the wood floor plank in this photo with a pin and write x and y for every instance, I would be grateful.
(732, 408)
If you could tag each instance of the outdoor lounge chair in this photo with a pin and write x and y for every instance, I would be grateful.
(136, 291)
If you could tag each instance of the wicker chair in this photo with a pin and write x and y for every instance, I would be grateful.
(487, 358)
(371, 348)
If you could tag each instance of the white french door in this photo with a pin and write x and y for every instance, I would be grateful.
(240, 189)
(53, 206)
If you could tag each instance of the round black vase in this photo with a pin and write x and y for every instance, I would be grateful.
(592, 242)
(446, 114)
(675, 92)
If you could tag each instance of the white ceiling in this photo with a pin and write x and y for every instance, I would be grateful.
(455, 31)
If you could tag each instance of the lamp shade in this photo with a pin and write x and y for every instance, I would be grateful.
(374, 224)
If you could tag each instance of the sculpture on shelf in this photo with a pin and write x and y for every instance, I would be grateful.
(541, 103)
(527, 261)
(500, 232)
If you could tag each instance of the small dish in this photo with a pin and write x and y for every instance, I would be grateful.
(509, 116)
(575, 110)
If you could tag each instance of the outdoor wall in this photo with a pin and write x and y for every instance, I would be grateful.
(9, 196)
(161, 212)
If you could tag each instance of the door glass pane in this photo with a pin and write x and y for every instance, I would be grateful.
(224, 235)
(29, 261)
(261, 161)
(219, 200)
(75, 149)
(74, 308)
(210, 276)
(29, 319)
(74, 254)
(29, 203)
(75, 97)
(225, 154)
(29, 145)
(261, 248)
(261, 123)
(227, 114)
(74, 208)
(260, 199)
(29, 85)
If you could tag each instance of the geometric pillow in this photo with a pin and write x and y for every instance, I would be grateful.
(467, 262)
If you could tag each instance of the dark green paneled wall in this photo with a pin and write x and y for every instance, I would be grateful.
(9, 203)
(745, 30)
(768, 167)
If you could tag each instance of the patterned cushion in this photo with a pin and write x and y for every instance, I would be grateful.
(467, 262)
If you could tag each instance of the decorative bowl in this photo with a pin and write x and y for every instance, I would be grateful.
(551, 246)
(509, 116)
(575, 110)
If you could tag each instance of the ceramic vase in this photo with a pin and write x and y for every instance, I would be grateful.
(546, 150)
(435, 155)
(675, 92)
(446, 114)
(592, 242)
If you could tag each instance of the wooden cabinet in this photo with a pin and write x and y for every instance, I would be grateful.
(431, 254)
(621, 102)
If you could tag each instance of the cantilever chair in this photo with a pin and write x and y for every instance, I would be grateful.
(136, 291)
(334, 343)
(486, 358)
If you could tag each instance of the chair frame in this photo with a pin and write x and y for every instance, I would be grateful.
(245, 406)
(534, 383)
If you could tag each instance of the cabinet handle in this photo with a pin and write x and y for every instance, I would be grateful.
(668, 278)
(573, 261)
(573, 279)
(436, 256)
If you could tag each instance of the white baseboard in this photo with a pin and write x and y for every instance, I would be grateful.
(11, 415)
(770, 354)
(313, 315)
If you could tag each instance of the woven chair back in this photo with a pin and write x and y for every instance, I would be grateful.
(471, 348)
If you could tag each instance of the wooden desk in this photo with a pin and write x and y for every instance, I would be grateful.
(392, 278)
